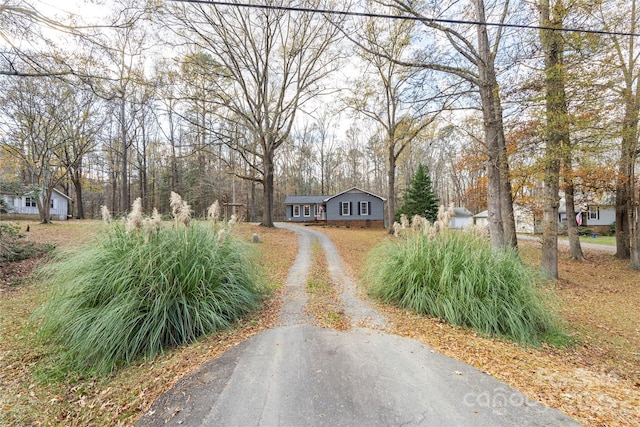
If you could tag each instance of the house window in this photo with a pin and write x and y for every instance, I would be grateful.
(307, 210)
(30, 202)
(296, 210)
(52, 204)
(345, 208)
(364, 208)
(594, 212)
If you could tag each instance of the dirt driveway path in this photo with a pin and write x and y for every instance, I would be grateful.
(301, 375)
(295, 299)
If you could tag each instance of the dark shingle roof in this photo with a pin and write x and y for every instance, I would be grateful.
(304, 200)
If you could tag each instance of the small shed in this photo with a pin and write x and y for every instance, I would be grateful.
(481, 219)
(462, 217)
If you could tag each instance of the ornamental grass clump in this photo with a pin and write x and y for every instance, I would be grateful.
(136, 292)
(457, 276)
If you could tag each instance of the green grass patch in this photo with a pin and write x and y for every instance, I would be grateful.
(134, 294)
(600, 240)
(458, 277)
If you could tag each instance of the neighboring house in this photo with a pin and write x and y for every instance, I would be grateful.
(599, 217)
(524, 218)
(462, 217)
(353, 207)
(26, 204)
(481, 219)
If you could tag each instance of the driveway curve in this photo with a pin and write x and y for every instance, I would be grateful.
(301, 375)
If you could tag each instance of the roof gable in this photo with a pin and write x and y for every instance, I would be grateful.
(30, 193)
(355, 190)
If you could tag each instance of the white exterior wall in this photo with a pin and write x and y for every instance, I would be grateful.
(460, 222)
(58, 211)
(607, 216)
(524, 220)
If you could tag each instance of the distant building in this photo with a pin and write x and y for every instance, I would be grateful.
(26, 204)
(462, 218)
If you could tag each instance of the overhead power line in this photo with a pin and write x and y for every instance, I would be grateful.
(404, 17)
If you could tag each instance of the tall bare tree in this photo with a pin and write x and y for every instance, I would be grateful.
(80, 136)
(471, 56)
(623, 56)
(557, 133)
(276, 62)
(390, 94)
(32, 132)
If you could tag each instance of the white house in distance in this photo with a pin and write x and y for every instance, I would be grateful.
(26, 204)
(597, 216)
(524, 218)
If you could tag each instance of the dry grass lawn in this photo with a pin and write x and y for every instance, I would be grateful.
(596, 381)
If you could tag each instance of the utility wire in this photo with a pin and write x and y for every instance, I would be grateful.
(407, 18)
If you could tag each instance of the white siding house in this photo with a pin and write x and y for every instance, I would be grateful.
(26, 204)
(599, 215)
(524, 218)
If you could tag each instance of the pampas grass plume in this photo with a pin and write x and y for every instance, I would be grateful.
(417, 223)
(396, 229)
(404, 221)
(214, 211)
(184, 215)
(134, 219)
(156, 218)
(106, 215)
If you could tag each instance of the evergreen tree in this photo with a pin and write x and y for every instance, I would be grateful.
(419, 198)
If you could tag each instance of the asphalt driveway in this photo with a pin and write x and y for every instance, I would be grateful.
(301, 375)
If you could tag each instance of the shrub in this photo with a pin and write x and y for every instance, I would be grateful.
(14, 246)
(458, 277)
(136, 293)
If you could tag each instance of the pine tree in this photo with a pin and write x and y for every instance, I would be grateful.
(418, 198)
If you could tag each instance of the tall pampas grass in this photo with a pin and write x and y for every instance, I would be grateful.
(135, 294)
(459, 277)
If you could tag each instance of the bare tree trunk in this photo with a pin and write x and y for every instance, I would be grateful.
(625, 177)
(625, 194)
(506, 195)
(267, 214)
(549, 262)
(43, 204)
(124, 201)
(77, 185)
(391, 192)
(575, 249)
(635, 233)
(493, 128)
(626, 174)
